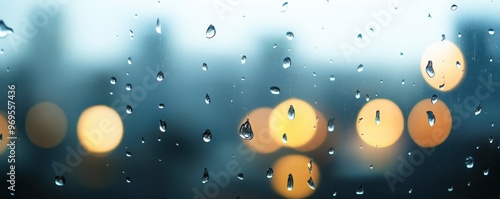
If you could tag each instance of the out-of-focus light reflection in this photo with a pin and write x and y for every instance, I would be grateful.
(297, 165)
(448, 65)
(320, 135)
(420, 128)
(380, 123)
(262, 141)
(4, 130)
(299, 130)
(100, 129)
(46, 125)
(94, 172)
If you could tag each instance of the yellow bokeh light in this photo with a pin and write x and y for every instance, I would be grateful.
(46, 125)
(320, 136)
(300, 130)
(262, 141)
(448, 65)
(297, 165)
(100, 129)
(4, 130)
(419, 128)
(384, 132)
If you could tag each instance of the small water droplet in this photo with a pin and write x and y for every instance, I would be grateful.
(334, 193)
(358, 94)
(142, 140)
(291, 113)
(289, 184)
(360, 190)
(129, 60)
(161, 105)
(162, 126)
(284, 138)
(275, 45)
(360, 68)
(459, 35)
(310, 182)
(331, 151)
(492, 124)
(131, 33)
(430, 69)
(158, 26)
(441, 87)
(60, 181)
(401, 55)
(332, 78)
(486, 171)
(207, 99)
(128, 86)
(205, 177)
(207, 135)
(331, 124)
(269, 173)
(111, 93)
(458, 64)
(491, 31)
(284, 7)
(112, 80)
(491, 59)
(243, 59)
(275, 90)
(287, 62)
(478, 110)
(128, 180)
(367, 97)
(309, 165)
(434, 99)
(246, 130)
(159, 76)
(360, 120)
(5, 30)
(443, 37)
(240, 176)
(377, 117)
(360, 36)
(128, 154)
(129, 109)
(159, 139)
(314, 73)
(469, 162)
(210, 33)
(431, 118)
(289, 35)
(204, 67)
(410, 190)
(454, 7)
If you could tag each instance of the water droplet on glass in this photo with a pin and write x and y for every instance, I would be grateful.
(434, 99)
(443, 37)
(284, 138)
(371, 166)
(240, 176)
(275, 45)
(458, 64)
(332, 78)
(210, 32)
(246, 130)
(478, 110)
(128, 180)
(360, 36)
(291, 113)
(490, 139)
(491, 31)
(401, 55)
(159, 76)
(334, 193)
(284, 7)
(331, 151)
(309, 165)
(454, 7)
(129, 60)
(207, 99)
(204, 67)
(358, 94)
(486, 171)
(429, 69)
(367, 97)
(142, 140)
(158, 26)
(360, 190)
(275, 90)
(410, 190)
(287, 62)
(205, 177)
(469, 162)
(207, 135)
(161, 106)
(112, 80)
(441, 87)
(431, 118)
(377, 117)
(129, 109)
(60, 181)
(492, 124)
(331, 125)
(243, 59)
(162, 126)
(491, 59)
(360, 120)
(128, 154)
(310, 182)
(128, 86)
(289, 184)
(459, 35)
(269, 173)
(5, 30)
(360, 68)
(131, 33)
(289, 35)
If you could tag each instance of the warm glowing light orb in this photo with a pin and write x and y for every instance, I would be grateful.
(297, 165)
(262, 141)
(420, 128)
(299, 130)
(380, 123)
(100, 129)
(319, 137)
(4, 130)
(448, 65)
(46, 125)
